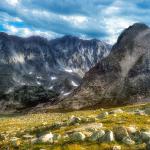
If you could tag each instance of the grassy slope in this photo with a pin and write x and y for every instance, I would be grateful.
(15, 125)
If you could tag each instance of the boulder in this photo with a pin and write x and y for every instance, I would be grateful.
(77, 137)
(47, 138)
(127, 140)
(96, 136)
(120, 132)
(108, 137)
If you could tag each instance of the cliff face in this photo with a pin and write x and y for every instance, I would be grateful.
(57, 64)
(121, 78)
(35, 63)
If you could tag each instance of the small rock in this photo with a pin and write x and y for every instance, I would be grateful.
(128, 141)
(109, 136)
(77, 136)
(96, 136)
(47, 138)
(120, 132)
(103, 115)
(116, 147)
(145, 136)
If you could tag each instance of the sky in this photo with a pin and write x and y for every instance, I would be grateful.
(101, 19)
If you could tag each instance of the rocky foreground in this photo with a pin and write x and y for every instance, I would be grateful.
(115, 129)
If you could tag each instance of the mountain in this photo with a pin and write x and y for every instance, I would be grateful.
(57, 64)
(123, 77)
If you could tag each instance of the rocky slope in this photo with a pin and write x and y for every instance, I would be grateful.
(121, 128)
(121, 78)
(56, 63)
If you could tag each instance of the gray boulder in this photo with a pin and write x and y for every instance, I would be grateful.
(96, 136)
(77, 137)
(108, 137)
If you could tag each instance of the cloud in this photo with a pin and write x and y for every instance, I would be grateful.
(100, 19)
(13, 2)
(26, 32)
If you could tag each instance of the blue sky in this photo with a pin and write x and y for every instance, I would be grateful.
(101, 19)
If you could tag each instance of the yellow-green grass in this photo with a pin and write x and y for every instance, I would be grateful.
(16, 125)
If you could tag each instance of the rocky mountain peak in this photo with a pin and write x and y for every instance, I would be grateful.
(56, 65)
(120, 78)
(127, 37)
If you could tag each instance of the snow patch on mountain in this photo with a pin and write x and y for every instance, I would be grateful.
(74, 83)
